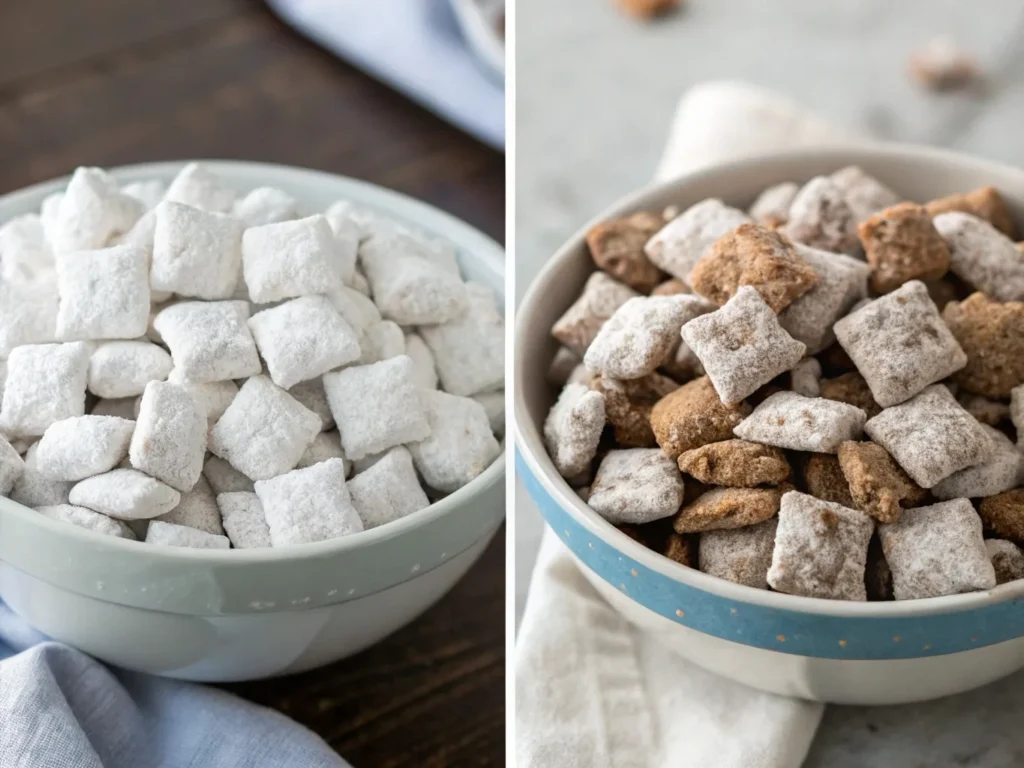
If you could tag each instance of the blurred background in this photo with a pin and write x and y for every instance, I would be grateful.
(108, 82)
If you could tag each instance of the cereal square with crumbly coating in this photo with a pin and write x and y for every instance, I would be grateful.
(741, 345)
(628, 404)
(937, 550)
(821, 549)
(1007, 560)
(617, 247)
(601, 296)
(798, 423)
(636, 485)
(1004, 514)
(736, 463)
(902, 244)
(931, 436)
(991, 333)
(877, 484)
(823, 477)
(900, 344)
(693, 416)
(852, 389)
(721, 508)
(982, 256)
(740, 555)
(820, 217)
(984, 202)
(678, 246)
(756, 256)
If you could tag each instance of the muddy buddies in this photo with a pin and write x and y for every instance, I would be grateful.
(200, 366)
(821, 395)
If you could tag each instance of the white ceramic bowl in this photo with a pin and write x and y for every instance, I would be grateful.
(218, 615)
(844, 652)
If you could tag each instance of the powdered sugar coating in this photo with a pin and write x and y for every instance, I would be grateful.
(290, 259)
(741, 345)
(376, 406)
(1003, 470)
(25, 255)
(149, 192)
(92, 210)
(197, 509)
(805, 378)
(740, 555)
(381, 341)
(637, 485)
(460, 445)
(842, 281)
(170, 435)
(302, 339)
(86, 518)
(494, 406)
(678, 246)
(209, 341)
(640, 335)
(28, 314)
(821, 218)
(171, 535)
(264, 431)
(931, 436)
(196, 253)
(865, 194)
(469, 352)
(34, 490)
(982, 255)
(213, 397)
(12, 466)
(821, 549)
(424, 372)
(45, 383)
(387, 491)
(900, 344)
(306, 505)
(798, 423)
(937, 550)
(126, 494)
(266, 205)
(572, 429)
(83, 446)
(120, 369)
(224, 478)
(243, 519)
(103, 294)
(600, 297)
(198, 186)
(1007, 560)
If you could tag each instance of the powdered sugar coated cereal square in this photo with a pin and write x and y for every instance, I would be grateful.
(600, 298)
(171, 535)
(149, 192)
(198, 186)
(126, 494)
(572, 429)
(387, 491)
(224, 478)
(120, 369)
(196, 253)
(637, 485)
(460, 444)
(290, 259)
(798, 423)
(92, 210)
(34, 490)
(381, 341)
(104, 294)
(209, 341)
(326, 445)
(86, 518)
(11, 466)
(170, 435)
(1003, 470)
(266, 205)
(83, 446)
(306, 505)
(28, 314)
(424, 370)
(242, 516)
(45, 383)
(678, 246)
(197, 509)
(469, 353)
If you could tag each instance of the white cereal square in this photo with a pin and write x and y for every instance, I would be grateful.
(92, 210)
(149, 192)
(12, 466)
(376, 406)
(424, 370)
(45, 383)
(264, 431)
(637, 485)
(242, 516)
(572, 429)
(126, 494)
(83, 446)
(798, 423)
(302, 339)
(358, 310)
(224, 478)
(198, 186)
(104, 294)
(740, 555)
(171, 535)
(120, 369)
(34, 490)
(387, 491)
(213, 396)
(197, 509)
(460, 444)
(86, 518)
(982, 255)
(196, 253)
(1003, 470)
(28, 314)
(290, 259)
(494, 406)
(381, 341)
(209, 341)
(170, 435)
(266, 205)
(469, 352)
(678, 246)
(25, 255)
(307, 505)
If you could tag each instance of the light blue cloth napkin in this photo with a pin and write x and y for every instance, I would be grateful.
(62, 709)
(416, 47)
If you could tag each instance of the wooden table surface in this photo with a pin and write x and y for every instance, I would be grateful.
(107, 82)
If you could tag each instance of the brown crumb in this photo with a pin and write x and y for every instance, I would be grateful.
(628, 404)
(902, 244)
(671, 287)
(693, 416)
(942, 65)
(824, 479)
(1004, 514)
(992, 334)
(617, 247)
(736, 463)
(722, 508)
(983, 202)
(756, 256)
(681, 549)
(876, 482)
(851, 388)
(648, 9)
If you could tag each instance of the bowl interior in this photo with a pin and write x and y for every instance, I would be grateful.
(918, 173)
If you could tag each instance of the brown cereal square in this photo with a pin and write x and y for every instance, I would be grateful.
(628, 404)
(617, 247)
(757, 256)
(852, 389)
(983, 202)
(693, 416)
(681, 549)
(991, 333)
(1004, 514)
(824, 478)
(736, 463)
(722, 508)
(876, 482)
(902, 244)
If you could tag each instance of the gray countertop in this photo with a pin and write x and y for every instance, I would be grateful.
(595, 94)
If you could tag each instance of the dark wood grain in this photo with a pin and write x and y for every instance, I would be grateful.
(107, 82)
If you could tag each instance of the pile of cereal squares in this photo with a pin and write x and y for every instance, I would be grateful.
(190, 367)
(820, 396)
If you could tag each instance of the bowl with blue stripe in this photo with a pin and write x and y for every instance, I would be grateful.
(822, 650)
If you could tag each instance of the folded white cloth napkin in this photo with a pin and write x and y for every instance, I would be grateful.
(590, 689)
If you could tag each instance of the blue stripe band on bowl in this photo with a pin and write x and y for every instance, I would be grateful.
(803, 634)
